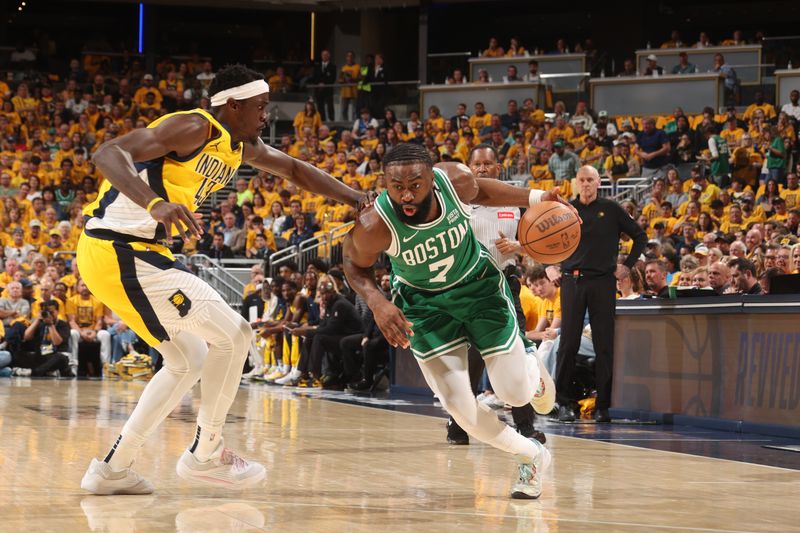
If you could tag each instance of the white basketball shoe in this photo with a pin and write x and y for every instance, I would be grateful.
(100, 479)
(529, 480)
(223, 468)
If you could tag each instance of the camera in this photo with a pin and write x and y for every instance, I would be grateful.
(49, 309)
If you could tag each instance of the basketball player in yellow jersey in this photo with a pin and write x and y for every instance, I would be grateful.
(156, 178)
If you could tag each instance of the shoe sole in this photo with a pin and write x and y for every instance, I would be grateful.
(186, 473)
(545, 403)
(90, 485)
(519, 495)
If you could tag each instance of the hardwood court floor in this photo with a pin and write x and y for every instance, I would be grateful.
(339, 467)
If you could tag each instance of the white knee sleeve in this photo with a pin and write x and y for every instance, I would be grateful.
(512, 375)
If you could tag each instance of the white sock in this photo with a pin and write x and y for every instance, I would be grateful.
(206, 442)
(124, 450)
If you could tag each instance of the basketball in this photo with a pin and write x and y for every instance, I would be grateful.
(549, 232)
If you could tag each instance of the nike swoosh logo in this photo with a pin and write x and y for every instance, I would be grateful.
(406, 239)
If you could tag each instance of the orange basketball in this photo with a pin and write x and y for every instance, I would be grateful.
(549, 232)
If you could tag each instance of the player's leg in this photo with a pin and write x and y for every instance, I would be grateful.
(448, 377)
(207, 460)
(183, 361)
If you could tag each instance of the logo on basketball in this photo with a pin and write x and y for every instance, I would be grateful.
(549, 232)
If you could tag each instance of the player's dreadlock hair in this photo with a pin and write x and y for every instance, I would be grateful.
(404, 154)
(232, 76)
(482, 146)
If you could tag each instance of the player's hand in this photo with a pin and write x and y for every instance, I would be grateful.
(366, 200)
(554, 195)
(171, 214)
(507, 246)
(393, 324)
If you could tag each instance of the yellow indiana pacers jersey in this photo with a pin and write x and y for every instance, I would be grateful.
(184, 180)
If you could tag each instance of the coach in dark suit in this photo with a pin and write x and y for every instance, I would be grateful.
(325, 72)
(589, 283)
(379, 87)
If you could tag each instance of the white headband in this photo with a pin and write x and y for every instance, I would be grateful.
(242, 92)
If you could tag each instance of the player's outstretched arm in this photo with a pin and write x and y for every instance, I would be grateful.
(300, 173)
(115, 159)
(362, 248)
(495, 193)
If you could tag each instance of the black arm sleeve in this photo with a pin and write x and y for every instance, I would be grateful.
(629, 226)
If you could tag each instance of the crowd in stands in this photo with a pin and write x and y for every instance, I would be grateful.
(724, 205)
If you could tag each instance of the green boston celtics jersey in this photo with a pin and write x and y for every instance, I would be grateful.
(436, 255)
(721, 165)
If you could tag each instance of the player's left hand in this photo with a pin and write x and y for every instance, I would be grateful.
(554, 195)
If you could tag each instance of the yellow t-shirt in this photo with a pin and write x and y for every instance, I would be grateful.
(550, 308)
(530, 307)
(476, 122)
(86, 312)
(350, 74)
(768, 109)
(792, 198)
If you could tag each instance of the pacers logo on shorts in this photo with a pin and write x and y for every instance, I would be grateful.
(181, 303)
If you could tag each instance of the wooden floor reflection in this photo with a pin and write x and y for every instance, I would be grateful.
(338, 467)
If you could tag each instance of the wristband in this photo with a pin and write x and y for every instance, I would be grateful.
(153, 202)
(535, 197)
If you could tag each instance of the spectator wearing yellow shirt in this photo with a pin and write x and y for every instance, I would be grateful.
(23, 101)
(592, 154)
(734, 222)
(147, 87)
(666, 218)
(791, 194)
(53, 244)
(515, 49)
(530, 307)
(561, 131)
(481, 118)
(69, 235)
(494, 50)
(349, 75)
(370, 141)
(760, 104)
(36, 236)
(86, 314)
(732, 133)
(746, 162)
(309, 117)
(549, 310)
(674, 41)
(616, 166)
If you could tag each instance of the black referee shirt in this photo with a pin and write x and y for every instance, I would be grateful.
(603, 221)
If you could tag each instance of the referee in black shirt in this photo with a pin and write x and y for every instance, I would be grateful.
(589, 282)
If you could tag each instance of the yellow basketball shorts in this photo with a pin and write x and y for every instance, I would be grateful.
(155, 295)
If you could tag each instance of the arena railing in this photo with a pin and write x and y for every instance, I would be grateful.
(324, 246)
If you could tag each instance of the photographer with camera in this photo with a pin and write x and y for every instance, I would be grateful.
(45, 345)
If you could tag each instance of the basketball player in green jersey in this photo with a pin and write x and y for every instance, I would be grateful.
(448, 292)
